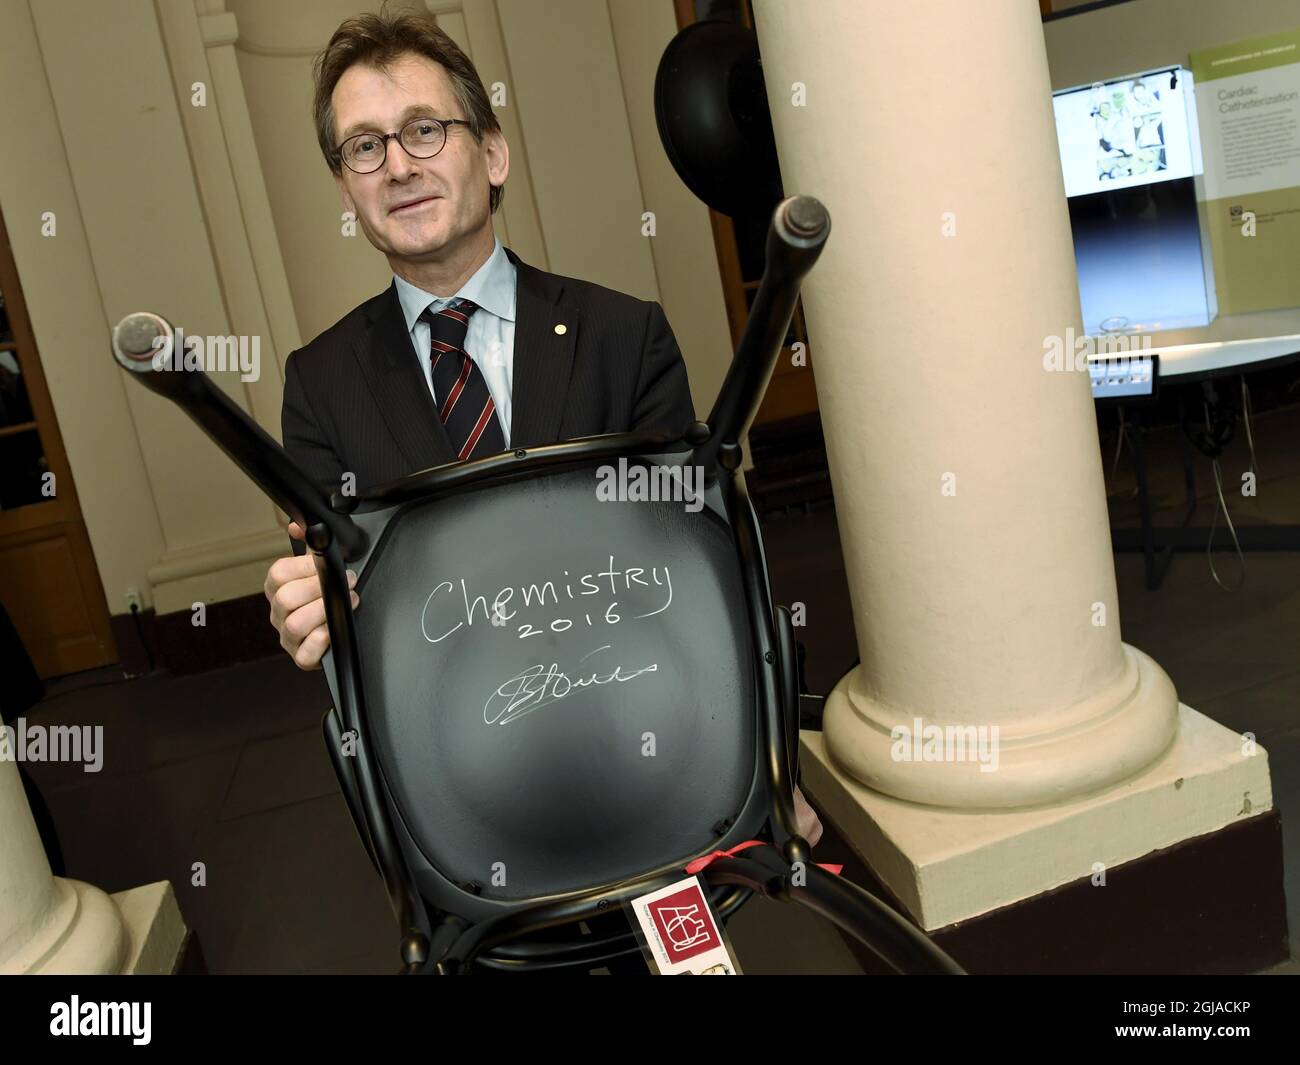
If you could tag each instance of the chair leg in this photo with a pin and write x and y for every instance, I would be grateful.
(788, 670)
(332, 728)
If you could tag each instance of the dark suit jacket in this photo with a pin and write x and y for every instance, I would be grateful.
(356, 400)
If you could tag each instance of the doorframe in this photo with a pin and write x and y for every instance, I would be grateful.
(60, 515)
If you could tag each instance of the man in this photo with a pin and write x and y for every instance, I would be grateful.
(470, 351)
(544, 358)
(364, 398)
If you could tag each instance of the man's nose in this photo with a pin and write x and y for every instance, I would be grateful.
(400, 164)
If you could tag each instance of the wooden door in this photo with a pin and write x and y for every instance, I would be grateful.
(49, 583)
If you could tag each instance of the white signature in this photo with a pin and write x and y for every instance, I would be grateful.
(540, 685)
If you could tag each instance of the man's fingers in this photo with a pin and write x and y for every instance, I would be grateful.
(302, 622)
(810, 825)
(284, 570)
(285, 576)
(296, 531)
(311, 649)
(293, 589)
(308, 654)
(293, 596)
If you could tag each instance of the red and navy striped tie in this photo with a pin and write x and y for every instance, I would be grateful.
(459, 388)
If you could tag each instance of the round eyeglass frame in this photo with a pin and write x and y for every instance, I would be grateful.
(445, 123)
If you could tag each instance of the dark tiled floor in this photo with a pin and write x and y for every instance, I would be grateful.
(220, 782)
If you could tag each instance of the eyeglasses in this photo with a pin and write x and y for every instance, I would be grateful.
(422, 138)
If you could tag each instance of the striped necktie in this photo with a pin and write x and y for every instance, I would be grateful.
(464, 404)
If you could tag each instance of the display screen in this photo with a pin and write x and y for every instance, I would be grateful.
(1117, 134)
(1130, 155)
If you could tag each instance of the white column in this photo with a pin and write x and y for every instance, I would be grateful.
(52, 925)
(48, 924)
(967, 477)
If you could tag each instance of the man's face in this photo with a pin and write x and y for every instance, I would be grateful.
(415, 210)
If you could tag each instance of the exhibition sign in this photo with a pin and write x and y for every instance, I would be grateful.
(1248, 105)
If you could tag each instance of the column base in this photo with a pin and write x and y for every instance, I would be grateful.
(157, 930)
(138, 931)
(1213, 904)
(83, 934)
(1097, 742)
(946, 865)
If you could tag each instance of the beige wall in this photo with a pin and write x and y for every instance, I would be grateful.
(99, 111)
(328, 273)
(226, 219)
(67, 312)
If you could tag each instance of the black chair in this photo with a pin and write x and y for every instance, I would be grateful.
(552, 702)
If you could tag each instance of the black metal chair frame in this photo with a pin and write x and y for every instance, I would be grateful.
(462, 931)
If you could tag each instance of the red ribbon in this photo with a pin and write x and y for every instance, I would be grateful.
(708, 859)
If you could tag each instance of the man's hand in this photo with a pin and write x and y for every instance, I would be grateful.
(297, 608)
(810, 825)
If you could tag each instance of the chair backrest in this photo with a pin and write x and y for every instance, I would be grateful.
(560, 688)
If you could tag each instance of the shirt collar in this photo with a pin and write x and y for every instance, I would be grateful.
(491, 287)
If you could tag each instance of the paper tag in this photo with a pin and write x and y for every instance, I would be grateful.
(680, 932)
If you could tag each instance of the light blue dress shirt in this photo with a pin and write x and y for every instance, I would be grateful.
(490, 338)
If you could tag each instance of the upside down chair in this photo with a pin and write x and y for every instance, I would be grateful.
(553, 700)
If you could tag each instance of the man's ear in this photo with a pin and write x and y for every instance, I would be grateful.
(348, 205)
(497, 154)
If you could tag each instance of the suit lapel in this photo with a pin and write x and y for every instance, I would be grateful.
(389, 362)
(543, 357)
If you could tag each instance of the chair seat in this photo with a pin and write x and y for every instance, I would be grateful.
(557, 712)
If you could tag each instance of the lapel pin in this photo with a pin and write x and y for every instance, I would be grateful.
(561, 329)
